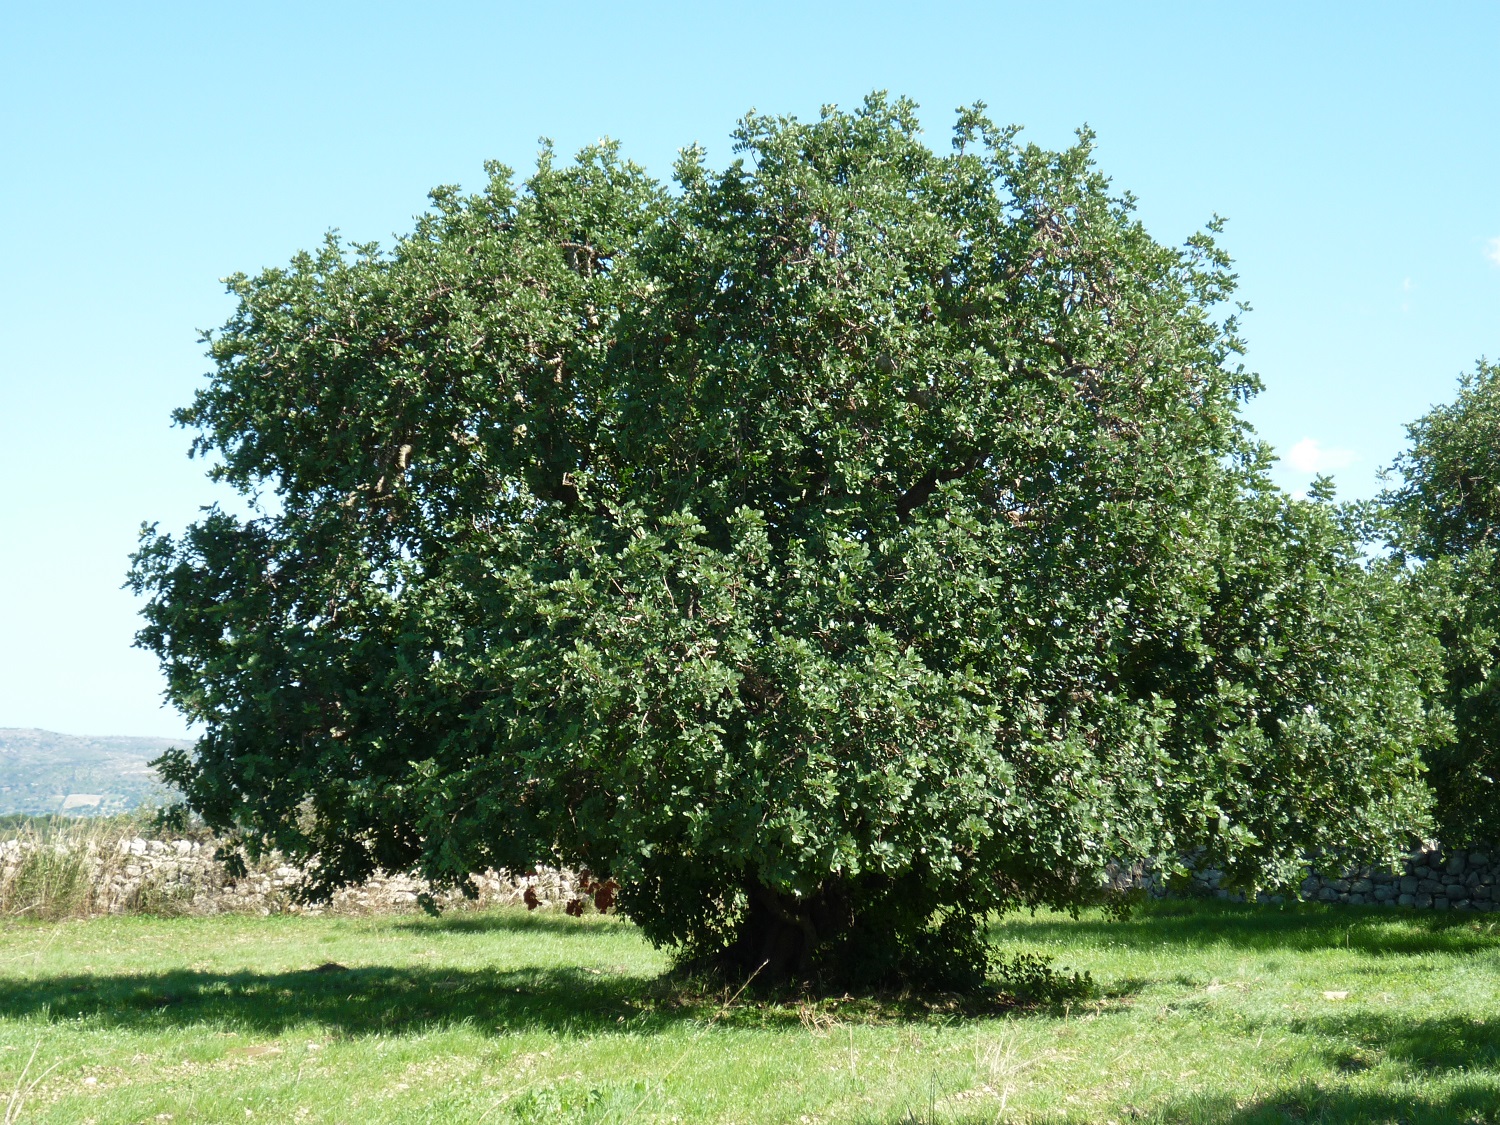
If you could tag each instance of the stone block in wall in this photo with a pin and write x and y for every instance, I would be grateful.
(1423, 901)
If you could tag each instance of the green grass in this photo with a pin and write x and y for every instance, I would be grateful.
(1206, 1013)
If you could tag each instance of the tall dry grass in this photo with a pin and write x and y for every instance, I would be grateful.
(51, 869)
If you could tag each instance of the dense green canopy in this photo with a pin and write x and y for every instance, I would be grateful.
(1445, 512)
(832, 549)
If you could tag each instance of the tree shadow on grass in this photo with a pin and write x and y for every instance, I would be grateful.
(1449, 1074)
(1464, 1100)
(354, 1002)
(1472, 1101)
(1356, 1039)
(1298, 926)
(383, 1000)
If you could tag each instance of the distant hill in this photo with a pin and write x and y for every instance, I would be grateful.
(44, 772)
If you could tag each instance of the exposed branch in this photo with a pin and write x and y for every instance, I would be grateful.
(919, 493)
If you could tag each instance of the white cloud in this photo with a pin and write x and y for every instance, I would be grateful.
(1492, 250)
(1308, 456)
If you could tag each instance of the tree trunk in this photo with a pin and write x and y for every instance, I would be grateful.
(780, 934)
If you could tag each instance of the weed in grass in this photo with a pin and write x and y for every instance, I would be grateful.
(1030, 976)
(25, 1084)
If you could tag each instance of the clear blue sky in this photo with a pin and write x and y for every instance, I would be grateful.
(146, 150)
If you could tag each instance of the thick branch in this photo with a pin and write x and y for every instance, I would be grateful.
(918, 494)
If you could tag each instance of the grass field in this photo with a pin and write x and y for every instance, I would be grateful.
(1206, 1013)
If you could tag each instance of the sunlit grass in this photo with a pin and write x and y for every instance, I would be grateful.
(1205, 1013)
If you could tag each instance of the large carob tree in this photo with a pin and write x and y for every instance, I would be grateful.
(833, 550)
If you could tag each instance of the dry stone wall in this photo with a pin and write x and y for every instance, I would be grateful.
(118, 876)
(183, 877)
(1431, 878)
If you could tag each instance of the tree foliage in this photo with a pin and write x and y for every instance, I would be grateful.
(833, 549)
(1444, 515)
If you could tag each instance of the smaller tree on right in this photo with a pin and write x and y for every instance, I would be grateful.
(1444, 516)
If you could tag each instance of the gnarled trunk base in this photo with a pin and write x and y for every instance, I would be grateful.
(782, 935)
(869, 932)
